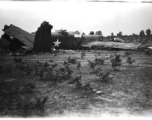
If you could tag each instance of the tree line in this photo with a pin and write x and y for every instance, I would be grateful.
(141, 33)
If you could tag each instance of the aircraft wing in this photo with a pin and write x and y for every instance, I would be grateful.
(125, 46)
(114, 45)
(23, 36)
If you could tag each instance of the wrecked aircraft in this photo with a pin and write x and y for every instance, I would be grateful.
(44, 39)
(60, 39)
(111, 45)
(24, 37)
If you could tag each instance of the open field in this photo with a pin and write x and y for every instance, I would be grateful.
(52, 91)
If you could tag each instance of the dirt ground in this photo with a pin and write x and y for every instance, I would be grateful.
(128, 93)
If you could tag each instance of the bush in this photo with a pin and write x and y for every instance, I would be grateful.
(92, 64)
(83, 54)
(72, 60)
(76, 82)
(99, 61)
(104, 77)
(130, 60)
(116, 61)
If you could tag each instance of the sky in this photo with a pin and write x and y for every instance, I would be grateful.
(108, 17)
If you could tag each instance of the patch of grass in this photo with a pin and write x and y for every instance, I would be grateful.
(25, 94)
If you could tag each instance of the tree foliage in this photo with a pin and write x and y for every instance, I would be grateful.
(91, 33)
(142, 33)
(133, 34)
(83, 33)
(148, 32)
(112, 34)
(120, 33)
(98, 33)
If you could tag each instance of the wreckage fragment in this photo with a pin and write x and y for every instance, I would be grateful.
(24, 37)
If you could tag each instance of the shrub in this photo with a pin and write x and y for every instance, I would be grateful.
(148, 52)
(92, 64)
(28, 69)
(17, 60)
(68, 70)
(72, 60)
(46, 64)
(130, 60)
(127, 53)
(28, 87)
(51, 60)
(104, 77)
(79, 66)
(76, 82)
(40, 103)
(116, 61)
(88, 87)
(99, 61)
(83, 54)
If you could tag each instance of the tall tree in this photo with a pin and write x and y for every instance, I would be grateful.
(148, 32)
(120, 33)
(142, 33)
(117, 34)
(112, 34)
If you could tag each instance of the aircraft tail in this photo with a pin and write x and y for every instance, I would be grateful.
(42, 41)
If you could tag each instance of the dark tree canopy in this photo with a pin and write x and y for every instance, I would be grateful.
(83, 33)
(148, 32)
(112, 34)
(98, 33)
(142, 33)
(77, 32)
(133, 34)
(120, 33)
(91, 33)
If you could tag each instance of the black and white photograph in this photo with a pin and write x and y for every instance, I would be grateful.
(75, 59)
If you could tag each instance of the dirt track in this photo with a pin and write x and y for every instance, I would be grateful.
(129, 92)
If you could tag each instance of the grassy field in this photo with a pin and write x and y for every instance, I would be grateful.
(47, 85)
